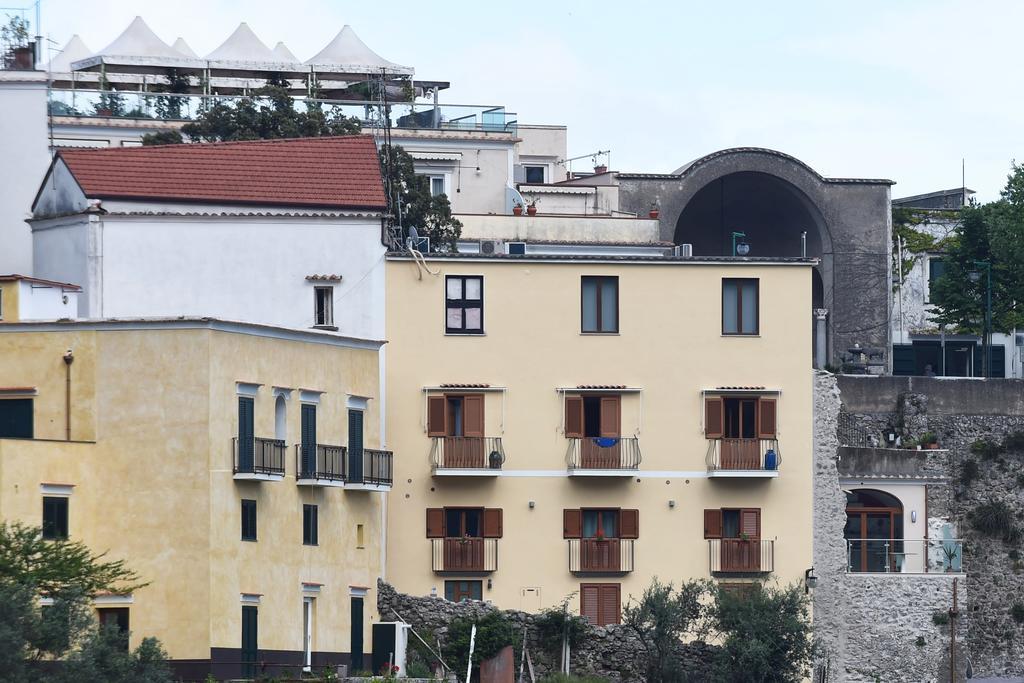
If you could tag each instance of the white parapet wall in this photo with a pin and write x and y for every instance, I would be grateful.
(559, 228)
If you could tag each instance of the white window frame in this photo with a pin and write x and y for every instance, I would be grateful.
(307, 632)
(328, 317)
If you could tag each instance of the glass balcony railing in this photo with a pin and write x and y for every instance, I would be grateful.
(169, 107)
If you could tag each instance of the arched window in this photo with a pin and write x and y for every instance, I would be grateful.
(280, 419)
(874, 531)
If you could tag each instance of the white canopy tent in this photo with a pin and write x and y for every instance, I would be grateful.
(350, 55)
(181, 46)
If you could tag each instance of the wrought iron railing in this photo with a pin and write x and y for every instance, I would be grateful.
(609, 555)
(603, 453)
(741, 555)
(902, 556)
(372, 466)
(323, 462)
(464, 554)
(467, 452)
(743, 454)
(175, 107)
(852, 434)
(258, 456)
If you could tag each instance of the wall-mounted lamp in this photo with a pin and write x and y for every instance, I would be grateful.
(533, 504)
(489, 584)
(433, 591)
(913, 516)
(671, 503)
(810, 580)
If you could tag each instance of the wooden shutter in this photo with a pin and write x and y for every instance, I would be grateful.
(574, 417)
(435, 522)
(766, 418)
(611, 416)
(572, 523)
(589, 601)
(750, 522)
(492, 523)
(608, 608)
(629, 523)
(713, 523)
(714, 417)
(437, 413)
(473, 415)
(308, 414)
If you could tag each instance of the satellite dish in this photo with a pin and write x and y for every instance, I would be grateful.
(413, 232)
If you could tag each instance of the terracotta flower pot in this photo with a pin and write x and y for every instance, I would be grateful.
(517, 210)
(531, 211)
(654, 213)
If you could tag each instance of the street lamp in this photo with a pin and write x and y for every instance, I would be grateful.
(975, 276)
(741, 249)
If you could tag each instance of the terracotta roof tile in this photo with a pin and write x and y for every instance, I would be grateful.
(335, 172)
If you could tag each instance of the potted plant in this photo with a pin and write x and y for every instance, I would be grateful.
(654, 211)
(951, 553)
(531, 207)
(930, 441)
(517, 209)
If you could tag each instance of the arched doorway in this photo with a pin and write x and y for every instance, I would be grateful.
(874, 531)
(280, 419)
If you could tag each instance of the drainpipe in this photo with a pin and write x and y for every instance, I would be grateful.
(69, 358)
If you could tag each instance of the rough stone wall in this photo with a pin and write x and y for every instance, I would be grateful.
(609, 652)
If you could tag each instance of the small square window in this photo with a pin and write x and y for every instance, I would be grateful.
(309, 524)
(248, 520)
(740, 306)
(464, 304)
(534, 174)
(55, 518)
(436, 185)
(600, 303)
(324, 306)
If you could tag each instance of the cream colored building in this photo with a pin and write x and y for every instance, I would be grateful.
(234, 466)
(578, 423)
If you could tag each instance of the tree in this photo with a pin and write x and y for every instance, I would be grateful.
(765, 634)
(411, 204)
(992, 232)
(164, 137)
(104, 657)
(661, 618)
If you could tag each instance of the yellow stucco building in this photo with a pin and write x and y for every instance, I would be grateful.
(232, 465)
(578, 424)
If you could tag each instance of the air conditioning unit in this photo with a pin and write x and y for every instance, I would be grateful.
(516, 248)
(685, 250)
(492, 247)
(420, 244)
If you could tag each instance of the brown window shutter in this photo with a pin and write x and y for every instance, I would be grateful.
(766, 418)
(713, 523)
(435, 522)
(574, 417)
(572, 523)
(437, 409)
(492, 523)
(611, 416)
(473, 415)
(750, 522)
(714, 418)
(589, 601)
(609, 605)
(629, 523)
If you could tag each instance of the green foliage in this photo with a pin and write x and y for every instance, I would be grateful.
(164, 137)
(1017, 612)
(928, 438)
(992, 232)
(765, 634)
(969, 472)
(986, 449)
(915, 242)
(59, 567)
(109, 103)
(556, 623)
(418, 669)
(104, 656)
(494, 632)
(940, 618)
(920, 641)
(169, 106)
(411, 203)
(995, 519)
(661, 618)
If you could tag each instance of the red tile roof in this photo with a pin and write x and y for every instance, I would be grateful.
(335, 172)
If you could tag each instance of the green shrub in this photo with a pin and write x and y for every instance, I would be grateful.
(494, 632)
(940, 618)
(969, 472)
(1017, 612)
(920, 641)
(986, 449)
(554, 623)
(418, 670)
(995, 519)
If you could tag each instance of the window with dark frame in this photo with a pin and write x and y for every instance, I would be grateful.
(309, 524)
(463, 522)
(323, 299)
(459, 590)
(116, 617)
(600, 304)
(464, 304)
(936, 269)
(740, 306)
(248, 520)
(55, 518)
(534, 174)
(600, 523)
(16, 421)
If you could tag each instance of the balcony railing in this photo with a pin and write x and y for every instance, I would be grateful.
(324, 464)
(258, 458)
(741, 555)
(172, 107)
(467, 452)
(464, 554)
(901, 556)
(600, 555)
(603, 453)
(373, 468)
(743, 455)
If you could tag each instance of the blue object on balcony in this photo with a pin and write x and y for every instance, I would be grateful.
(606, 441)
(771, 461)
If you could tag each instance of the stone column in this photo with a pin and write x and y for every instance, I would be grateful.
(820, 338)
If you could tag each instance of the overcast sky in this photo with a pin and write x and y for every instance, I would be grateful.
(900, 90)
